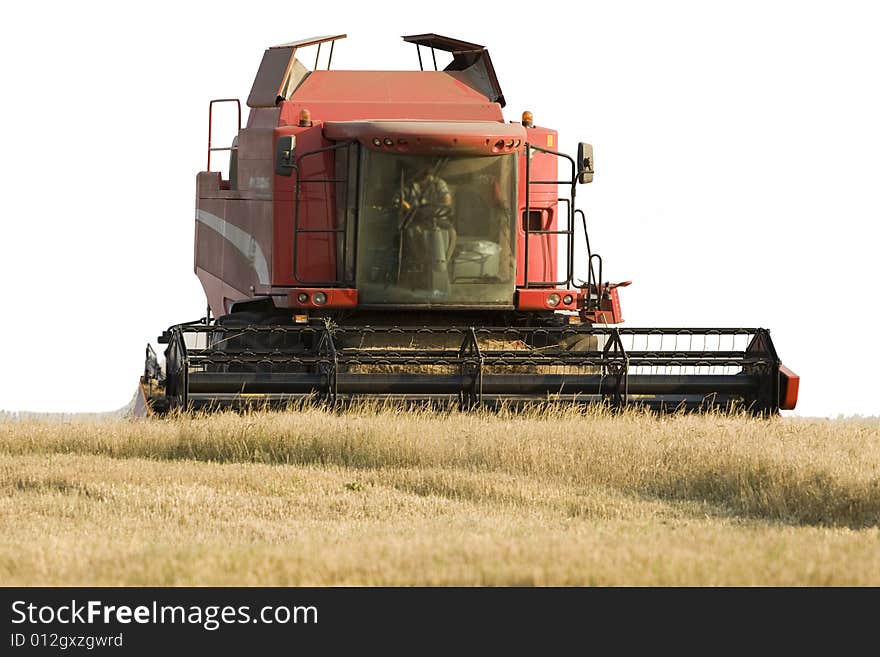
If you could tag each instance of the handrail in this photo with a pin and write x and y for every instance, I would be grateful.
(343, 228)
(591, 274)
(211, 149)
(568, 232)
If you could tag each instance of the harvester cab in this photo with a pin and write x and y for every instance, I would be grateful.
(388, 234)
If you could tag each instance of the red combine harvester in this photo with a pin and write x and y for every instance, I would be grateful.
(386, 234)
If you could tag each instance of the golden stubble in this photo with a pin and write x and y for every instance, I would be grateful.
(382, 495)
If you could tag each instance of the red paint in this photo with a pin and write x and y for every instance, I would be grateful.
(789, 382)
(337, 297)
(316, 252)
(350, 96)
(376, 95)
(431, 107)
(609, 311)
(543, 199)
(427, 137)
(536, 299)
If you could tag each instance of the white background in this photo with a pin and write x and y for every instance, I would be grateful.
(737, 152)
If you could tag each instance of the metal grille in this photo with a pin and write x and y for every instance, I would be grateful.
(663, 368)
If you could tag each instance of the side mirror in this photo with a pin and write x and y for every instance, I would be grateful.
(285, 155)
(585, 163)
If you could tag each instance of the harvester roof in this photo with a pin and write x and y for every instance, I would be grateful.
(466, 90)
(427, 95)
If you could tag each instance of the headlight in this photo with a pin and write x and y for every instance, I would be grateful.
(319, 298)
(302, 297)
(553, 300)
(567, 299)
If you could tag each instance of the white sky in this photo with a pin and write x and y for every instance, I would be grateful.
(737, 148)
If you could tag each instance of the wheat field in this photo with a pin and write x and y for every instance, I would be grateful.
(386, 496)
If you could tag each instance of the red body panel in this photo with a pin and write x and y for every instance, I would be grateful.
(532, 299)
(337, 297)
(378, 95)
(543, 208)
(428, 137)
(252, 253)
(316, 252)
(609, 311)
(789, 382)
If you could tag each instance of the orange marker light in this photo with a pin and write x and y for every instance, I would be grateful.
(305, 118)
(527, 119)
